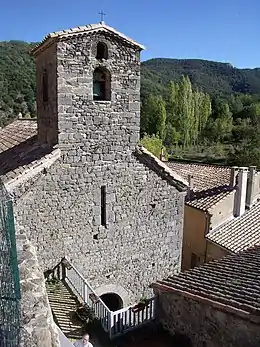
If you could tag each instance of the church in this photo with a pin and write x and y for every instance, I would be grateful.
(82, 185)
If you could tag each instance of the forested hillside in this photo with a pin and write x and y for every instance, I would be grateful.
(195, 108)
(208, 76)
(17, 80)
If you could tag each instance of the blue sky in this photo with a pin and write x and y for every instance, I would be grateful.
(221, 30)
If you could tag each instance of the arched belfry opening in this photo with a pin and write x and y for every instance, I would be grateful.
(102, 51)
(101, 84)
(113, 301)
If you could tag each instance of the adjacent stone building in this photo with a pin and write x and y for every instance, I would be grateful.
(214, 305)
(82, 187)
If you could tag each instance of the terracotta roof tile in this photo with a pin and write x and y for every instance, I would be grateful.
(204, 176)
(239, 233)
(233, 280)
(206, 199)
(19, 150)
(16, 133)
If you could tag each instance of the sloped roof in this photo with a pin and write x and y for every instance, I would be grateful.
(99, 27)
(239, 233)
(17, 132)
(204, 176)
(19, 149)
(206, 199)
(21, 153)
(233, 280)
(160, 168)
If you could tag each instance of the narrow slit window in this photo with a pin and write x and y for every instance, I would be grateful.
(103, 206)
(45, 86)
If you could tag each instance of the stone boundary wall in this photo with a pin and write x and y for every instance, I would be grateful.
(203, 325)
(37, 325)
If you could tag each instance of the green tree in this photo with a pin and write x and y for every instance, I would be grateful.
(154, 144)
(154, 116)
(220, 128)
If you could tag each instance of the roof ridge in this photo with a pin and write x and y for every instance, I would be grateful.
(200, 164)
(81, 30)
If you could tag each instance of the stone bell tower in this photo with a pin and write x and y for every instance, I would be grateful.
(88, 92)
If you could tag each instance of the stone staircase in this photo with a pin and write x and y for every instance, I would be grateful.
(64, 304)
(67, 289)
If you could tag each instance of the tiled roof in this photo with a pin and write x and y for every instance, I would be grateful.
(85, 29)
(206, 199)
(239, 233)
(16, 133)
(155, 164)
(19, 150)
(204, 176)
(233, 280)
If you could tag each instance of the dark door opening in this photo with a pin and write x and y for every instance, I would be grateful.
(112, 300)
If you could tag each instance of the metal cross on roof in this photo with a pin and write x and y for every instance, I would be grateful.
(102, 14)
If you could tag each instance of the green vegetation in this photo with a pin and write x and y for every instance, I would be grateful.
(211, 77)
(197, 109)
(193, 125)
(153, 144)
(17, 80)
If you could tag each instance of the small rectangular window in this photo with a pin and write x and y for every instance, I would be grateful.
(103, 206)
(45, 86)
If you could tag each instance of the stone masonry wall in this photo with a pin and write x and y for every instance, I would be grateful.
(37, 326)
(47, 112)
(205, 325)
(97, 131)
(142, 240)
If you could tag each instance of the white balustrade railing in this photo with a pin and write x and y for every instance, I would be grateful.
(115, 323)
(128, 319)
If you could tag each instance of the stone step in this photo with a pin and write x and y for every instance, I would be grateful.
(64, 305)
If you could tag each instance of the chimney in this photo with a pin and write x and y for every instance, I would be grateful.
(233, 176)
(250, 186)
(240, 195)
(190, 187)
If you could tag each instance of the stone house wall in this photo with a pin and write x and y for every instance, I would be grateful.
(203, 324)
(142, 238)
(47, 111)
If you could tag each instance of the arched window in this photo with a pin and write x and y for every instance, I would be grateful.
(101, 84)
(102, 52)
(45, 93)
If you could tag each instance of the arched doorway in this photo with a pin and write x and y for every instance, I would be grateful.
(112, 300)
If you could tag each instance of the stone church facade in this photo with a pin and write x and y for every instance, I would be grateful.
(87, 190)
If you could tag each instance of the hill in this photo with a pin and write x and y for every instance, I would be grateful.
(207, 76)
(17, 78)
